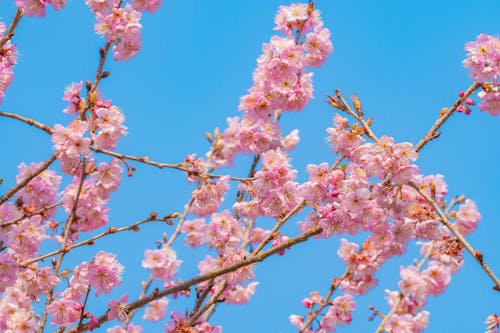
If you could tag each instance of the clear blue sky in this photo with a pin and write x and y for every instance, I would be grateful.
(402, 58)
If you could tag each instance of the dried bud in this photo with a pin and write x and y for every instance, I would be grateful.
(356, 102)
(112, 230)
(135, 228)
(173, 215)
(478, 255)
(88, 85)
(208, 136)
(104, 74)
(153, 215)
(334, 102)
(53, 261)
(443, 111)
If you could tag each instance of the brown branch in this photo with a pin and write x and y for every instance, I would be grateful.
(432, 133)
(208, 276)
(445, 221)
(10, 31)
(26, 180)
(90, 241)
(27, 215)
(178, 166)
(29, 121)
(141, 159)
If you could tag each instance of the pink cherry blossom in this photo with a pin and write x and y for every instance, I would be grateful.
(117, 309)
(163, 263)
(64, 311)
(104, 272)
(208, 197)
(156, 310)
(483, 58)
(490, 101)
(467, 218)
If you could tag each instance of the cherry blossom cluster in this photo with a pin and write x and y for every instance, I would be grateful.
(392, 212)
(103, 273)
(281, 84)
(8, 56)
(483, 62)
(120, 25)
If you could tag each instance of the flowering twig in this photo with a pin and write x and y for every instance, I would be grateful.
(432, 133)
(91, 240)
(29, 214)
(141, 159)
(444, 220)
(395, 306)
(208, 276)
(26, 180)
(334, 285)
(10, 31)
(67, 231)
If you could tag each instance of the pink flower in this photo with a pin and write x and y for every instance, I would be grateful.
(156, 310)
(118, 309)
(8, 270)
(492, 323)
(149, 5)
(195, 230)
(209, 196)
(467, 218)
(72, 95)
(163, 263)
(41, 191)
(101, 6)
(483, 59)
(122, 28)
(490, 101)
(104, 272)
(69, 145)
(240, 294)
(108, 177)
(64, 311)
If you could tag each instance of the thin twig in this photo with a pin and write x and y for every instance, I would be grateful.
(27, 215)
(26, 180)
(91, 240)
(10, 31)
(432, 133)
(444, 220)
(334, 285)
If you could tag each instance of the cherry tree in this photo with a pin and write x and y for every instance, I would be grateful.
(245, 202)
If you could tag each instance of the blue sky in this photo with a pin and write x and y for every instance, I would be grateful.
(402, 58)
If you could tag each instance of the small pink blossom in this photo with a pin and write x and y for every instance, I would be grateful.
(483, 58)
(490, 101)
(64, 311)
(156, 310)
(117, 309)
